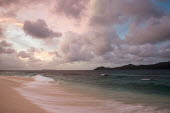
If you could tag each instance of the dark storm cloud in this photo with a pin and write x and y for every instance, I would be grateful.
(39, 29)
(72, 8)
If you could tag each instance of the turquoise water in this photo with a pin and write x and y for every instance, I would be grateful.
(135, 91)
(145, 87)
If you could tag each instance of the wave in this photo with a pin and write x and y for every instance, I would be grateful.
(42, 78)
(55, 98)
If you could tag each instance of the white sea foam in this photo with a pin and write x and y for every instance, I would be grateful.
(42, 78)
(145, 79)
(39, 81)
(49, 95)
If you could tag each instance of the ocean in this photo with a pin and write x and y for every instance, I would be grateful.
(122, 91)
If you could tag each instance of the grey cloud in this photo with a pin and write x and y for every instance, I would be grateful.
(8, 2)
(146, 51)
(1, 33)
(115, 11)
(71, 8)
(164, 52)
(39, 29)
(141, 54)
(30, 55)
(5, 43)
(13, 6)
(108, 13)
(74, 47)
(20, 3)
(102, 41)
(23, 54)
(155, 31)
(11, 62)
(5, 48)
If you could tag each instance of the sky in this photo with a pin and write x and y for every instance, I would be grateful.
(83, 34)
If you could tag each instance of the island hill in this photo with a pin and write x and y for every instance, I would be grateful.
(161, 65)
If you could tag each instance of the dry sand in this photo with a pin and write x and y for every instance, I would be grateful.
(11, 101)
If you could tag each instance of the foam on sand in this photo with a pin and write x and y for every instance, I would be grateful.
(11, 101)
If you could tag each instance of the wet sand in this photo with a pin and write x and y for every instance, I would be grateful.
(11, 101)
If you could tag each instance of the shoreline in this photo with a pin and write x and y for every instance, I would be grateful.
(11, 100)
(31, 97)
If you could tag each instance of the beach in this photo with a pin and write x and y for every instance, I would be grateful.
(41, 93)
(11, 101)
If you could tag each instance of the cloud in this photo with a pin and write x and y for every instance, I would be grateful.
(35, 58)
(108, 12)
(146, 34)
(73, 47)
(71, 8)
(10, 8)
(146, 51)
(135, 54)
(5, 44)
(10, 62)
(155, 31)
(102, 41)
(84, 47)
(1, 32)
(8, 2)
(36, 55)
(39, 29)
(5, 48)
(23, 54)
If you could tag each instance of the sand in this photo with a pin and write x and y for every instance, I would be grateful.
(11, 101)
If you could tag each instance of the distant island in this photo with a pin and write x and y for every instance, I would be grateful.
(161, 65)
